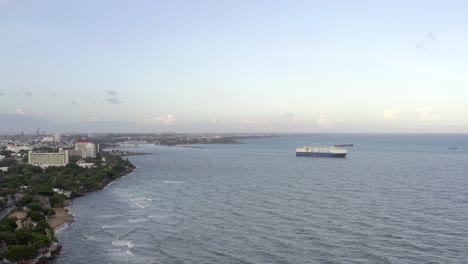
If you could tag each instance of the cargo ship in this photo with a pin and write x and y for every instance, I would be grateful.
(321, 152)
(344, 145)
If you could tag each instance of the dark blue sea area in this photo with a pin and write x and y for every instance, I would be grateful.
(394, 199)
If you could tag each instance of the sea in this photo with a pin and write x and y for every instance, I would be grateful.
(395, 198)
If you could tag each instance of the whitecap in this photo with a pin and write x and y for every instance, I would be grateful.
(137, 220)
(173, 182)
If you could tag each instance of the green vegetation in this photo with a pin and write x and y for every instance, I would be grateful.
(70, 177)
(38, 198)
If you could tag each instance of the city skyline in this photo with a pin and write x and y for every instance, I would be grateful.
(242, 66)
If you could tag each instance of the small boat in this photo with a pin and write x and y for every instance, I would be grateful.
(453, 148)
(321, 152)
(344, 145)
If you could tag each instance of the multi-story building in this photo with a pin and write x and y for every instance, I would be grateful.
(58, 137)
(45, 160)
(47, 139)
(84, 148)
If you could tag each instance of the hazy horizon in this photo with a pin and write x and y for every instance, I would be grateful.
(234, 66)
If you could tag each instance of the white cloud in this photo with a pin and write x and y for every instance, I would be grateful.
(166, 120)
(324, 121)
(409, 113)
(390, 114)
(20, 112)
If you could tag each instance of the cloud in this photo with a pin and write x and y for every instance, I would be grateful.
(53, 94)
(111, 93)
(2, 93)
(390, 114)
(409, 113)
(27, 93)
(19, 112)
(113, 101)
(324, 121)
(431, 36)
(166, 120)
(112, 97)
(74, 103)
(420, 45)
(289, 115)
(428, 39)
(215, 121)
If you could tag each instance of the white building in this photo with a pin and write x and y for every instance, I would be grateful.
(58, 137)
(17, 148)
(85, 148)
(83, 164)
(47, 139)
(45, 160)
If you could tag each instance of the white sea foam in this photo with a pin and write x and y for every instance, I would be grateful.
(123, 243)
(110, 226)
(93, 238)
(63, 226)
(130, 253)
(173, 182)
(137, 220)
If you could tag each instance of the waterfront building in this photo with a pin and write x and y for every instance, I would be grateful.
(84, 148)
(45, 160)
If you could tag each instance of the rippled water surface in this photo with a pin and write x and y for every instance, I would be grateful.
(394, 199)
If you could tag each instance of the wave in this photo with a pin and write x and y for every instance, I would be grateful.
(110, 226)
(267, 154)
(173, 182)
(62, 227)
(123, 243)
(137, 220)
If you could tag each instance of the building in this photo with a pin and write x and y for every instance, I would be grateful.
(58, 137)
(17, 148)
(84, 148)
(45, 160)
(47, 139)
(83, 164)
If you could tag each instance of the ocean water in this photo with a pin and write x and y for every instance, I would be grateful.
(393, 199)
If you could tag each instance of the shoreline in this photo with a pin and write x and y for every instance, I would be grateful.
(66, 218)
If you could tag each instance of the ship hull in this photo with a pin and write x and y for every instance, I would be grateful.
(320, 154)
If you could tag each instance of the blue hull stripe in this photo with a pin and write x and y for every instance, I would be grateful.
(318, 154)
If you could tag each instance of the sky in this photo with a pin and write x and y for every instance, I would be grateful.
(234, 66)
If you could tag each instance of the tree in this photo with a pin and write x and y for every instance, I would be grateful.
(36, 216)
(6, 153)
(56, 200)
(39, 240)
(19, 252)
(41, 227)
(8, 224)
(36, 207)
(45, 189)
